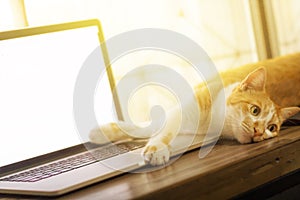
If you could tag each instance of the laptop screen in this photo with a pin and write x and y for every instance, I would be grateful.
(37, 78)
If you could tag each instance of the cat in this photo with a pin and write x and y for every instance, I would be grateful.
(259, 98)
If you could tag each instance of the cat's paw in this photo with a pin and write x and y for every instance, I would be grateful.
(96, 136)
(156, 154)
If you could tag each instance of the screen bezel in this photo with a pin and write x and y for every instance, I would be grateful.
(31, 31)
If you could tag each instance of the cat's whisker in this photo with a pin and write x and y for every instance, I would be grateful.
(246, 127)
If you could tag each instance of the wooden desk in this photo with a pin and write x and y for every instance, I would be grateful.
(230, 169)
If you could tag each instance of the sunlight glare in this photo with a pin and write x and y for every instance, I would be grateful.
(6, 17)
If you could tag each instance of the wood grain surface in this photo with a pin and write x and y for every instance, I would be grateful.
(228, 170)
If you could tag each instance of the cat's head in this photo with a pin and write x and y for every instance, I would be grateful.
(251, 111)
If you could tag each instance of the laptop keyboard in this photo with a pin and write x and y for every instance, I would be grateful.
(73, 162)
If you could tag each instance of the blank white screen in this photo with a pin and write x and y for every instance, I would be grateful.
(37, 78)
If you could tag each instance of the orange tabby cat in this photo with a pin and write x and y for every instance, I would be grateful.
(259, 97)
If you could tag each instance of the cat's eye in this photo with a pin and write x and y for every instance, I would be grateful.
(255, 110)
(272, 128)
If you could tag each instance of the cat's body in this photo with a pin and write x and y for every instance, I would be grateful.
(282, 82)
(257, 99)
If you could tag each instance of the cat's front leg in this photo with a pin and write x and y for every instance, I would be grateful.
(112, 132)
(157, 150)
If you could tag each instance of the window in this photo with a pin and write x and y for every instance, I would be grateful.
(12, 14)
(232, 32)
(222, 24)
(287, 14)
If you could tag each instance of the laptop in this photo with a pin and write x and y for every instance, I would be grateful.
(41, 152)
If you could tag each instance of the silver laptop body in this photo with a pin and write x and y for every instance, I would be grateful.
(41, 152)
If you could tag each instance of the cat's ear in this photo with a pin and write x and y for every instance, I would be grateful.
(256, 80)
(289, 112)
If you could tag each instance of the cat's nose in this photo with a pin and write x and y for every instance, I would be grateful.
(257, 132)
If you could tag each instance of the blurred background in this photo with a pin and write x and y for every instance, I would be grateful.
(232, 32)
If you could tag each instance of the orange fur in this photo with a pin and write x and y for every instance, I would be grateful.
(265, 94)
(283, 78)
(271, 88)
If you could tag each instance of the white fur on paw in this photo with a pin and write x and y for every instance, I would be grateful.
(156, 154)
(96, 136)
